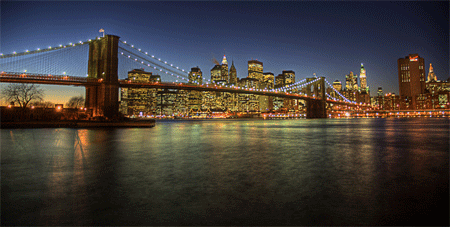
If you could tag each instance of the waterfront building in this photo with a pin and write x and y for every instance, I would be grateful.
(135, 101)
(195, 76)
(391, 102)
(195, 97)
(278, 102)
(255, 70)
(248, 103)
(266, 102)
(411, 79)
(437, 93)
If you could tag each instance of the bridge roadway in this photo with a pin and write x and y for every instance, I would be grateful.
(12, 77)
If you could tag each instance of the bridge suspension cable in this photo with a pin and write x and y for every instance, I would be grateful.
(68, 59)
(150, 64)
(342, 96)
(170, 69)
(173, 68)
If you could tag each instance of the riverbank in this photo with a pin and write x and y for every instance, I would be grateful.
(80, 124)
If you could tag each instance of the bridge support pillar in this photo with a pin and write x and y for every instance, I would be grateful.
(103, 100)
(316, 109)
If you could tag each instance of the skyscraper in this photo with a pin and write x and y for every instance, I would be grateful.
(255, 70)
(289, 77)
(224, 70)
(195, 76)
(268, 80)
(362, 77)
(216, 74)
(233, 74)
(337, 85)
(279, 81)
(351, 82)
(431, 75)
(411, 79)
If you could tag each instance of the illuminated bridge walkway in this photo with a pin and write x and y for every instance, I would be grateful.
(108, 57)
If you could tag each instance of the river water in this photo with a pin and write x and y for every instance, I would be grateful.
(230, 172)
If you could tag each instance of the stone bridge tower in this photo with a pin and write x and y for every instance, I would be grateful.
(316, 108)
(103, 100)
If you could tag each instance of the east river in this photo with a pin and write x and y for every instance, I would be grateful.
(392, 171)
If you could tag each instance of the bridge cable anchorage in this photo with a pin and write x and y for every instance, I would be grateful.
(153, 66)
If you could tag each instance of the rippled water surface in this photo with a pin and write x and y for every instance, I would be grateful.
(229, 172)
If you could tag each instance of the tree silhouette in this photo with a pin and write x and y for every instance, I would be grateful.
(23, 94)
(75, 102)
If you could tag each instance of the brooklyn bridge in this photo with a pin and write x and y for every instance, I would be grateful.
(109, 58)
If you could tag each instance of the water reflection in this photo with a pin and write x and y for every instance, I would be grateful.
(286, 172)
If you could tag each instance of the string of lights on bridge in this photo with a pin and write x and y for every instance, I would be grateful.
(299, 84)
(342, 96)
(50, 48)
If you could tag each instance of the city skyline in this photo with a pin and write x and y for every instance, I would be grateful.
(304, 37)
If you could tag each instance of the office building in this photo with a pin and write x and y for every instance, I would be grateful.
(411, 80)
(289, 77)
(216, 73)
(195, 76)
(255, 70)
(268, 80)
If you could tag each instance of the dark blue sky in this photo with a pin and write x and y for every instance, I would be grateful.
(327, 38)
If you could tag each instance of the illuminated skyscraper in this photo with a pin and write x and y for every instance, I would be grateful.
(195, 76)
(224, 70)
(268, 80)
(431, 75)
(289, 77)
(411, 79)
(138, 101)
(337, 85)
(255, 70)
(233, 74)
(351, 82)
(362, 77)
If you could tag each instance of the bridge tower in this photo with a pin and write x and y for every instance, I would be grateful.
(103, 100)
(316, 108)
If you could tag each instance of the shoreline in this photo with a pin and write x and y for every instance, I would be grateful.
(80, 124)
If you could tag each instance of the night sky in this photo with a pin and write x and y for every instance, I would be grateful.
(327, 38)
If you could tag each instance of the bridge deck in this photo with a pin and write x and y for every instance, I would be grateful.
(8, 77)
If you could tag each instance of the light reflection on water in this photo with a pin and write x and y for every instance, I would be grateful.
(229, 172)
